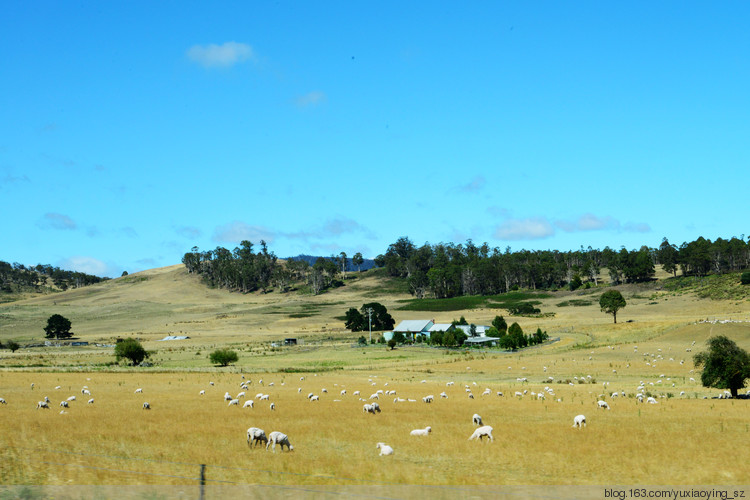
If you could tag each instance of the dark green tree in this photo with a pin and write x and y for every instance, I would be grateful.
(725, 365)
(392, 344)
(58, 326)
(223, 357)
(436, 338)
(668, 257)
(612, 301)
(355, 321)
(501, 325)
(449, 338)
(381, 319)
(12, 345)
(399, 337)
(132, 350)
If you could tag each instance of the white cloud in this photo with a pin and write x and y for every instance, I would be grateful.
(311, 99)
(221, 56)
(88, 265)
(237, 231)
(189, 232)
(532, 228)
(57, 221)
(588, 222)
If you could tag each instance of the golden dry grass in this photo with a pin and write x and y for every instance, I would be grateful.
(684, 439)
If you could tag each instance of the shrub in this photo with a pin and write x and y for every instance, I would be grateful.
(524, 308)
(12, 345)
(223, 357)
(745, 278)
(131, 349)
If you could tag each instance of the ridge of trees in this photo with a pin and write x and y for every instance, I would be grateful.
(36, 277)
(449, 270)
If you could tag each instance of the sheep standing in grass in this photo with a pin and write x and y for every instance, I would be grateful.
(279, 438)
(384, 449)
(42, 404)
(255, 436)
(579, 421)
(481, 432)
(421, 432)
(371, 408)
(138, 391)
(2, 401)
(146, 406)
(603, 405)
(476, 419)
(249, 403)
(64, 404)
(234, 402)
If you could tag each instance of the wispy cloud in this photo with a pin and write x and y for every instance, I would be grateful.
(88, 265)
(476, 184)
(311, 99)
(237, 231)
(57, 221)
(588, 222)
(220, 56)
(189, 232)
(332, 228)
(532, 228)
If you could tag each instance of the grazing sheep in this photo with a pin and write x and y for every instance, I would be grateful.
(240, 395)
(476, 419)
(384, 449)
(72, 398)
(651, 400)
(64, 404)
(263, 397)
(256, 435)
(343, 392)
(90, 401)
(421, 432)
(443, 395)
(324, 390)
(579, 421)
(2, 401)
(399, 400)
(371, 408)
(603, 404)
(279, 438)
(86, 392)
(481, 432)
(314, 398)
(138, 391)
(42, 404)
(146, 406)
(355, 393)
(234, 402)
(273, 406)
(428, 399)
(375, 396)
(249, 403)
(471, 396)
(486, 392)
(227, 396)
(202, 393)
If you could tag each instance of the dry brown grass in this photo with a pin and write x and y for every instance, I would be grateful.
(682, 440)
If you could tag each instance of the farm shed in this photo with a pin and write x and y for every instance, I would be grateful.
(413, 327)
(479, 341)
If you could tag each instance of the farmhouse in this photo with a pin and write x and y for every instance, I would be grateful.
(411, 328)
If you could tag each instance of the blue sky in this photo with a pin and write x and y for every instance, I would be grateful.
(131, 132)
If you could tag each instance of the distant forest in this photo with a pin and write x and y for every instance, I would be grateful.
(17, 277)
(449, 270)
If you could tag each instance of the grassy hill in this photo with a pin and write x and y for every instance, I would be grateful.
(168, 301)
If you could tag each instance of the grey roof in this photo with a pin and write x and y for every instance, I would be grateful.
(441, 327)
(480, 340)
(413, 325)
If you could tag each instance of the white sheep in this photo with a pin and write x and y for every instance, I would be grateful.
(476, 419)
(202, 393)
(371, 408)
(234, 402)
(315, 398)
(443, 395)
(86, 392)
(256, 435)
(263, 397)
(72, 398)
(343, 392)
(64, 404)
(481, 432)
(651, 400)
(90, 401)
(240, 395)
(579, 421)
(603, 404)
(227, 396)
(273, 406)
(384, 449)
(280, 438)
(428, 399)
(421, 432)
(42, 404)
(375, 396)
(2, 401)
(249, 403)
(146, 406)
(138, 391)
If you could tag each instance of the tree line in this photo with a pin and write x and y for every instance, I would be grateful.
(449, 270)
(36, 277)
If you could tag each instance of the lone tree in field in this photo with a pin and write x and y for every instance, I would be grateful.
(223, 357)
(131, 349)
(58, 327)
(612, 301)
(725, 365)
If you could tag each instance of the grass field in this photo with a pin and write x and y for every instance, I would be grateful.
(684, 439)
